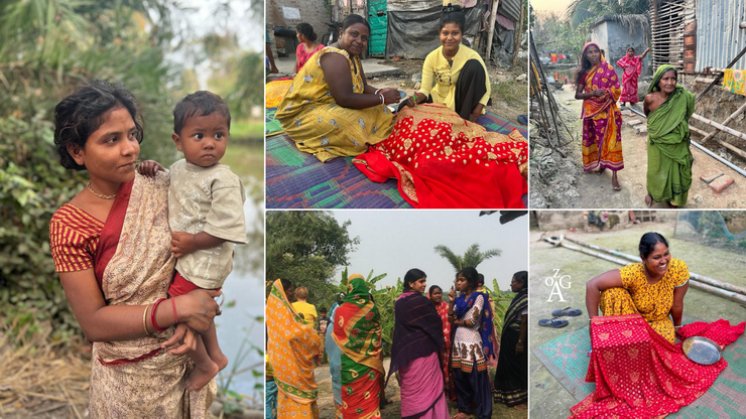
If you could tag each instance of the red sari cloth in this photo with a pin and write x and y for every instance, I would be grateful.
(638, 373)
(442, 310)
(443, 161)
(719, 331)
(632, 66)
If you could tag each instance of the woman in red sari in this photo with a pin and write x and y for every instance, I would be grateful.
(598, 88)
(111, 247)
(632, 66)
(436, 296)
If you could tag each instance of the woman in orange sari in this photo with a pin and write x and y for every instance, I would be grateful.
(293, 347)
(357, 332)
(598, 88)
(111, 246)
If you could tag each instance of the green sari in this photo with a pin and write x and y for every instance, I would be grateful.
(670, 160)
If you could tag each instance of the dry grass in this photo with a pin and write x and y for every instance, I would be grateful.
(40, 381)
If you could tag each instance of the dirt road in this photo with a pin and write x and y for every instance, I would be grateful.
(569, 187)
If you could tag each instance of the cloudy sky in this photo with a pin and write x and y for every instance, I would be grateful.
(392, 242)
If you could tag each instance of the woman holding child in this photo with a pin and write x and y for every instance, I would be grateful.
(111, 246)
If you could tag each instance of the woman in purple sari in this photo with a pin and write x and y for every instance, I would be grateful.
(415, 352)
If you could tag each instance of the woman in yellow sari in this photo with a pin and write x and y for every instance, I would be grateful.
(293, 347)
(598, 88)
(330, 109)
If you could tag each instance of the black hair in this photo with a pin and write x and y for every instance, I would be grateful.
(631, 48)
(80, 114)
(455, 16)
(480, 279)
(585, 65)
(201, 103)
(286, 284)
(306, 30)
(353, 19)
(471, 275)
(412, 275)
(522, 277)
(432, 290)
(648, 242)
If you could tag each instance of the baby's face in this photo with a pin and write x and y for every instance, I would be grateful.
(203, 139)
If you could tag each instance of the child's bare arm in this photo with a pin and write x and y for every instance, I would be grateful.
(149, 168)
(185, 243)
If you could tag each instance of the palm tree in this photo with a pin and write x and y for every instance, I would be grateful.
(472, 257)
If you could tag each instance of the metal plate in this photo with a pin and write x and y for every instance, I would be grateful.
(701, 350)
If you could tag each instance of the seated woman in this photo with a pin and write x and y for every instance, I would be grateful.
(454, 74)
(307, 44)
(668, 107)
(330, 110)
(654, 288)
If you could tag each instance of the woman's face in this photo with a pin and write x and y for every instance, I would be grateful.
(515, 285)
(593, 54)
(630, 52)
(110, 152)
(657, 261)
(450, 37)
(667, 83)
(437, 295)
(354, 39)
(462, 284)
(419, 285)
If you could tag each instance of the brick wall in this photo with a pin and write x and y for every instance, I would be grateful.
(314, 12)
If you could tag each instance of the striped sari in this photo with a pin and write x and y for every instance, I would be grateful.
(292, 346)
(357, 332)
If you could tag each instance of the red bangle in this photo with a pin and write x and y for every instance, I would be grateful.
(153, 320)
(173, 308)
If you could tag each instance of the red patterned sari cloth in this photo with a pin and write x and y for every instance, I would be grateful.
(602, 121)
(445, 354)
(357, 332)
(632, 66)
(134, 266)
(638, 373)
(443, 161)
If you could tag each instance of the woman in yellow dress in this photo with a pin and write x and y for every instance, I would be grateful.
(330, 110)
(654, 288)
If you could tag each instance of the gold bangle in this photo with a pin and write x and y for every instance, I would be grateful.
(145, 320)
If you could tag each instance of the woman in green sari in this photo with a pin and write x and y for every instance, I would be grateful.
(668, 107)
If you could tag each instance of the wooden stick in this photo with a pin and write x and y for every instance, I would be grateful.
(730, 118)
(720, 75)
(491, 28)
(720, 127)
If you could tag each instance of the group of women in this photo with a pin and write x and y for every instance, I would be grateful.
(440, 157)
(668, 107)
(440, 351)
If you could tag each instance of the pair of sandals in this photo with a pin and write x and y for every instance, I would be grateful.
(557, 323)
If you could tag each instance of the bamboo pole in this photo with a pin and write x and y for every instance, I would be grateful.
(720, 75)
(700, 278)
(720, 127)
(720, 292)
(730, 118)
(491, 27)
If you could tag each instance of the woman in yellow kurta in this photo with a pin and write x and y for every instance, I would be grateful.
(598, 88)
(293, 347)
(654, 288)
(454, 74)
(330, 110)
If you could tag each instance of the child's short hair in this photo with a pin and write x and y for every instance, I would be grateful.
(201, 103)
(301, 293)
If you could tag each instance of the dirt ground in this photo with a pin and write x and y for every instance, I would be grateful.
(565, 185)
(548, 398)
(393, 407)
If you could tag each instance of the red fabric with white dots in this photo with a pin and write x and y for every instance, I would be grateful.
(638, 373)
(446, 162)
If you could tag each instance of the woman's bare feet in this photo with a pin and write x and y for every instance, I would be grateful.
(201, 375)
(615, 183)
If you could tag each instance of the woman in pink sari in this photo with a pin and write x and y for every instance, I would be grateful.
(632, 66)
(415, 351)
(111, 247)
(598, 88)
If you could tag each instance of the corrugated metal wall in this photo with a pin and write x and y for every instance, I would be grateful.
(719, 37)
(412, 5)
(510, 8)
